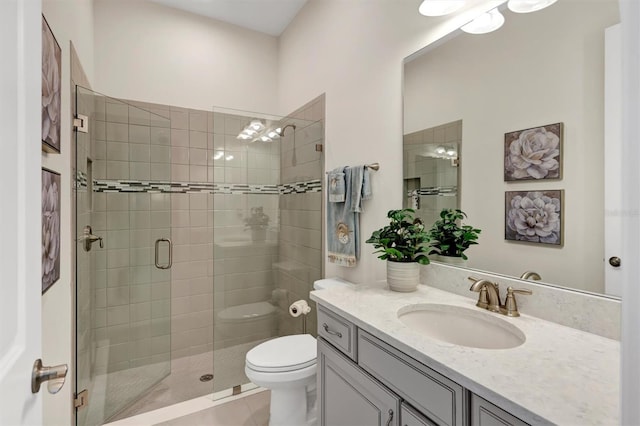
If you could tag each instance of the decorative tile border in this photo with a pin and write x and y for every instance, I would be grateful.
(81, 180)
(434, 190)
(133, 186)
(301, 187)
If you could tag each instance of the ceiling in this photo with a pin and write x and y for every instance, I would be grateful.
(266, 16)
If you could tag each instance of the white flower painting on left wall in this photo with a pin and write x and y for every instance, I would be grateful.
(51, 88)
(50, 228)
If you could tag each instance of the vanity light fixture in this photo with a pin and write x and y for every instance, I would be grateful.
(526, 6)
(256, 130)
(485, 23)
(439, 7)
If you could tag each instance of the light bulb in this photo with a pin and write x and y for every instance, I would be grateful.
(451, 151)
(439, 7)
(243, 136)
(218, 155)
(249, 131)
(256, 125)
(272, 134)
(228, 157)
(485, 23)
(440, 150)
(526, 6)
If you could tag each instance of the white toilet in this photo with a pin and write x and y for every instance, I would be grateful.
(287, 366)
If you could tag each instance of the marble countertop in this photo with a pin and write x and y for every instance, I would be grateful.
(559, 375)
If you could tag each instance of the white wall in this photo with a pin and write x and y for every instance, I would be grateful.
(69, 20)
(149, 52)
(516, 78)
(353, 52)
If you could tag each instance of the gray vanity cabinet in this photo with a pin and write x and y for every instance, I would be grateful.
(441, 399)
(484, 413)
(364, 381)
(348, 396)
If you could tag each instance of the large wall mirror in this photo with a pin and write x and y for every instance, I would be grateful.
(462, 98)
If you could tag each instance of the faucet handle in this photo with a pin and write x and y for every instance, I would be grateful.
(510, 305)
(483, 297)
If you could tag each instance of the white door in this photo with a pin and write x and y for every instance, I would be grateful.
(612, 161)
(20, 282)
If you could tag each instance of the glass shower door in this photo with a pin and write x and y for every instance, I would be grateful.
(123, 254)
(267, 233)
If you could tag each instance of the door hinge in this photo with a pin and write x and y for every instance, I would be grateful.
(81, 123)
(81, 400)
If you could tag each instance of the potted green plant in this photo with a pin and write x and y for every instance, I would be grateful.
(257, 222)
(449, 239)
(404, 245)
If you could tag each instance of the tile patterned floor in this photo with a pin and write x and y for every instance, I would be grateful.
(252, 410)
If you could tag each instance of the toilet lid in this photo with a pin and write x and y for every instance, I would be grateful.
(287, 353)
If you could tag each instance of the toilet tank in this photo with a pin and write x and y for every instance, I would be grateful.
(331, 282)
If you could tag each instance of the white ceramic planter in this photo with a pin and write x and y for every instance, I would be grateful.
(258, 234)
(403, 276)
(456, 261)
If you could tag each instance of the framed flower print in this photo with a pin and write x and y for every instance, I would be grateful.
(533, 154)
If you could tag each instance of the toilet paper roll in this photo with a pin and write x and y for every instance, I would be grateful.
(301, 307)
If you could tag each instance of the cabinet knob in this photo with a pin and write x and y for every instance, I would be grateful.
(614, 261)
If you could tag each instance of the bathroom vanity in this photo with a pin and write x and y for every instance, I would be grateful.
(373, 369)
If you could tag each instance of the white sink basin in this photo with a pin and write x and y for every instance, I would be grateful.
(461, 326)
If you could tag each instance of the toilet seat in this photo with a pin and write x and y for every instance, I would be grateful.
(283, 354)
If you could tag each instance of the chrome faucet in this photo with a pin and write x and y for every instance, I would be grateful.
(489, 294)
(490, 297)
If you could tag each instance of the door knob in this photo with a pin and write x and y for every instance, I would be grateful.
(55, 376)
(614, 261)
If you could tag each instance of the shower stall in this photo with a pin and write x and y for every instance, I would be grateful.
(195, 231)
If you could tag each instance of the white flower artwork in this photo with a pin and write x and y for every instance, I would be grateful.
(534, 216)
(51, 88)
(50, 228)
(533, 154)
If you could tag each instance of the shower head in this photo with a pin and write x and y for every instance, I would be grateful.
(281, 132)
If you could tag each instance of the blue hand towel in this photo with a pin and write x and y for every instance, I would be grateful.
(336, 185)
(367, 190)
(343, 221)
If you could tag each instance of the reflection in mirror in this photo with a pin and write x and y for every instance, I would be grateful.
(539, 69)
(431, 170)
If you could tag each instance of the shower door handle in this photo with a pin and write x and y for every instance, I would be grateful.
(168, 265)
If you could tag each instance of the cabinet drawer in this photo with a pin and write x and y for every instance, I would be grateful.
(484, 413)
(410, 417)
(337, 331)
(430, 392)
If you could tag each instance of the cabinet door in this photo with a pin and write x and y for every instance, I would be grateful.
(484, 413)
(410, 417)
(350, 397)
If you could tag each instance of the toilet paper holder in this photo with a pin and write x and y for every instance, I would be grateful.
(298, 308)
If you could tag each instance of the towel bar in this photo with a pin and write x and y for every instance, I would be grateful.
(372, 166)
